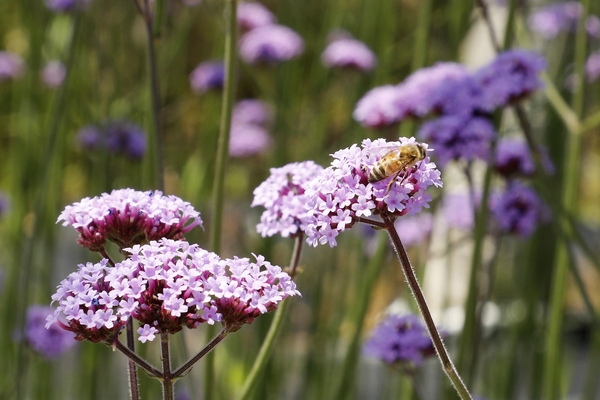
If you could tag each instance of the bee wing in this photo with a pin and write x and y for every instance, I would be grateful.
(380, 151)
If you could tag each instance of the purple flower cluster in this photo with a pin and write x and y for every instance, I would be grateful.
(251, 15)
(116, 137)
(270, 44)
(11, 66)
(458, 210)
(166, 285)
(128, 217)
(51, 342)
(54, 74)
(63, 6)
(400, 340)
(414, 229)
(553, 19)
(248, 134)
(4, 203)
(349, 53)
(282, 194)
(208, 75)
(592, 67)
(518, 210)
(342, 193)
(514, 159)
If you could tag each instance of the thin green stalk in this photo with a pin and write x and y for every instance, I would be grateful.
(167, 377)
(152, 371)
(265, 350)
(552, 369)
(206, 350)
(415, 288)
(221, 162)
(25, 273)
(361, 307)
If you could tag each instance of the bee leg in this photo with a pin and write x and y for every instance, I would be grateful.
(389, 186)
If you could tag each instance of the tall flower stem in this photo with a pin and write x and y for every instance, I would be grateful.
(265, 351)
(415, 288)
(167, 377)
(221, 162)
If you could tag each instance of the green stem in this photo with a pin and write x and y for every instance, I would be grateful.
(265, 351)
(436, 339)
(143, 364)
(552, 369)
(134, 385)
(221, 162)
(25, 273)
(167, 377)
(206, 350)
(362, 305)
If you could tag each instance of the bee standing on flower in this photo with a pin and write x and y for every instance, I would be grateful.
(396, 160)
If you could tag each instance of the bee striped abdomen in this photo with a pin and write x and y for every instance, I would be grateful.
(377, 173)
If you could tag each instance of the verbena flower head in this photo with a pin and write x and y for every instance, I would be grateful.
(458, 210)
(400, 340)
(592, 26)
(208, 75)
(89, 137)
(54, 73)
(379, 107)
(270, 44)
(518, 210)
(248, 139)
(11, 66)
(282, 194)
(125, 137)
(252, 111)
(349, 53)
(167, 285)
(414, 229)
(513, 158)
(67, 5)
(511, 76)
(456, 137)
(592, 67)
(251, 15)
(549, 21)
(51, 342)
(342, 192)
(128, 217)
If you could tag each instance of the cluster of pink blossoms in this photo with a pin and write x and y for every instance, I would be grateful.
(342, 193)
(166, 285)
(128, 217)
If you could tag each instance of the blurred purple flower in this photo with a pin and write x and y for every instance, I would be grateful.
(248, 139)
(128, 217)
(592, 66)
(54, 73)
(400, 340)
(453, 138)
(251, 15)
(4, 203)
(457, 209)
(50, 343)
(252, 111)
(592, 25)
(513, 158)
(342, 193)
(549, 21)
(67, 5)
(208, 75)
(518, 210)
(282, 195)
(270, 44)
(379, 107)
(125, 137)
(89, 137)
(11, 66)
(414, 229)
(512, 75)
(167, 285)
(349, 53)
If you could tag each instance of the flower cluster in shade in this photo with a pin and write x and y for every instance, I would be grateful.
(128, 217)
(249, 135)
(414, 229)
(270, 44)
(251, 15)
(342, 194)
(592, 67)
(346, 52)
(518, 210)
(115, 137)
(555, 18)
(63, 6)
(167, 285)
(54, 73)
(208, 75)
(459, 101)
(51, 342)
(513, 158)
(12, 66)
(282, 196)
(400, 340)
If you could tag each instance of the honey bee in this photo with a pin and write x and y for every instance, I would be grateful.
(396, 160)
